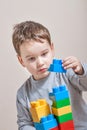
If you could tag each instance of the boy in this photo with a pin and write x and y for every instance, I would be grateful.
(35, 52)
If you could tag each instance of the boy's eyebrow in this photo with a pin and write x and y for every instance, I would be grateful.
(44, 50)
(32, 55)
(28, 56)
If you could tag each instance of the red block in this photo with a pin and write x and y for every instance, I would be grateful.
(56, 128)
(69, 125)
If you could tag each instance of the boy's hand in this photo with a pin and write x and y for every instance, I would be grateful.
(74, 63)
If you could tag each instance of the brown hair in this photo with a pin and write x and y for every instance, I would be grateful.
(29, 30)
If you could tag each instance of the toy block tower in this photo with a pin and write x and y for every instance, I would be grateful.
(61, 103)
(61, 108)
(56, 66)
(42, 117)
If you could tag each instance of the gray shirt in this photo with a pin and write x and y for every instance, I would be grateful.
(32, 90)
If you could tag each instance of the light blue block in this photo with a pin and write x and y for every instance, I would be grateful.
(46, 123)
(59, 93)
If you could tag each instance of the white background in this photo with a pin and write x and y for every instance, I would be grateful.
(67, 23)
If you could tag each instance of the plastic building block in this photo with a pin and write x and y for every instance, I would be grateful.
(64, 118)
(39, 109)
(69, 125)
(61, 111)
(61, 103)
(59, 93)
(56, 66)
(46, 123)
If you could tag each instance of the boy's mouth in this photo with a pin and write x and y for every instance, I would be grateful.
(43, 70)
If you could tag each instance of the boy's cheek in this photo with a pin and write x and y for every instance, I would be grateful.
(32, 68)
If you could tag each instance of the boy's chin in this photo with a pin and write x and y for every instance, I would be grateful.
(41, 76)
(45, 74)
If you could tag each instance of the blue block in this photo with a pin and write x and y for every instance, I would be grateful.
(56, 66)
(46, 123)
(56, 61)
(59, 93)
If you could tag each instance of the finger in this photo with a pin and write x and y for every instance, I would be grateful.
(68, 66)
(72, 65)
(69, 61)
(68, 58)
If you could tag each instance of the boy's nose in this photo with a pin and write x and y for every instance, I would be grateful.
(39, 62)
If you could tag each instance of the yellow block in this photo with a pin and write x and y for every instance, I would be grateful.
(39, 109)
(61, 111)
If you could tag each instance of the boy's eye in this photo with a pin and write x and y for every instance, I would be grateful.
(44, 54)
(32, 59)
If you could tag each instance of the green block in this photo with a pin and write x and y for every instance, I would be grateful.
(64, 118)
(61, 103)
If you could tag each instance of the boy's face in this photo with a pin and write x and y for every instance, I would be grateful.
(36, 57)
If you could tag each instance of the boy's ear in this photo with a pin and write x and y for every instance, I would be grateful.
(20, 60)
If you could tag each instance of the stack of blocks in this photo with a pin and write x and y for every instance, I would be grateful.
(61, 117)
(42, 117)
(61, 108)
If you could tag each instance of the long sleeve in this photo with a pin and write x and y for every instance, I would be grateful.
(79, 80)
(83, 78)
(24, 119)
